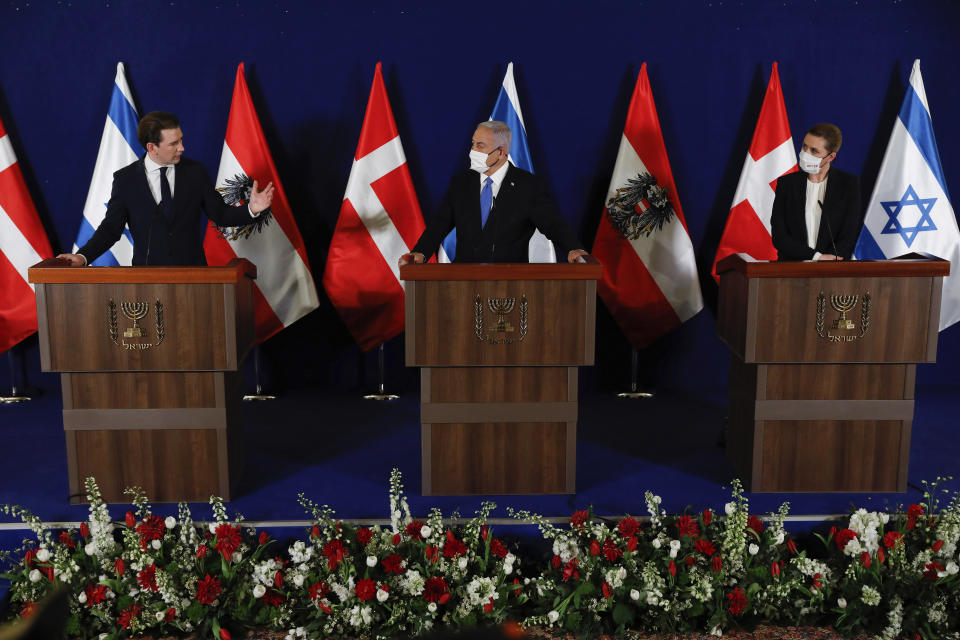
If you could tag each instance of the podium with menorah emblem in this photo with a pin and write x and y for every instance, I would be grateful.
(499, 347)
(822, 369)
(148, 360)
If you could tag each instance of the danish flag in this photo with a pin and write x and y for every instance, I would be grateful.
(23, 243)
(770, 156)
(380, 220)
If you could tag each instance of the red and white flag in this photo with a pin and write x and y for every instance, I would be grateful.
(771, 155)
(380, 220)
(284, 290)
(650, 281)
(23, 243)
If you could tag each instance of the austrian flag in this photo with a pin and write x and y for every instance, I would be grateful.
(284, 289)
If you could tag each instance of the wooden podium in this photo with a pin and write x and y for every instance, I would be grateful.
(149, 360)
(499, 346)
(822, 369)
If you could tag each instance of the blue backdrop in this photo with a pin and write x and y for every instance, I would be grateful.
(310, 66)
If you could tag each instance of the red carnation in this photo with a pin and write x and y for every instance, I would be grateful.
(498, 549)
(147, 579)
(717, 564)
(579, 518)
(208, 589)
(365, 589)
(931, 569)
(844, 536)
(570, 570)
(673, 568)
(453, 547)
(607, 590)
(152, 528)
(688, 527)
(84, 530)
(364, 535)
(936, 545)
(127, 615)
(632, 543)
(393, 563)
(705, 547)
(434, 589)
(914, 511)
(413, 530)
(274, 598)
(96, 593)
(707, 516)
(67, 539)
(335, 552)
(690, 560)
(755, 523)
(628, 527)
(865, 559)
(319, 590)
(738, 601)
(610, 550)
(891, 538)
(228, 540)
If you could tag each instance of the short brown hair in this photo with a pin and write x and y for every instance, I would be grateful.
(830, 133)
(152, 124)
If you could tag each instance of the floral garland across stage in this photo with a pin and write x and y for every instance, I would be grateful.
(891, 575)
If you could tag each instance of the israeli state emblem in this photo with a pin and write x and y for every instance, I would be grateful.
(236, 193)
(640, 207)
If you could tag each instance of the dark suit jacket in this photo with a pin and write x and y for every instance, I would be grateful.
(174, 241)
(841, 217)
(523, 205)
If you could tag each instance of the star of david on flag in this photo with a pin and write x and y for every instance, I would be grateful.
(910, 210)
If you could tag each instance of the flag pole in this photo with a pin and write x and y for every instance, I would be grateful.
(15, 394)
(382, 394)
(258, 390)
(634, 392)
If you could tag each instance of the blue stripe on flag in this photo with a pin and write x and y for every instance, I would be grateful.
(107, 259)
(916, 119)
(124, 116)
(504, 111)
(867, 248)
(450, 245)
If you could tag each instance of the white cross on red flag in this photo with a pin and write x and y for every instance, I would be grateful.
(770, 156)
(380, 220)
(284, 290)
(23, 243)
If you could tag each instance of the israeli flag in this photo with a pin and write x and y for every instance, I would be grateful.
(910, 210)
(507, 109)
(118, 148)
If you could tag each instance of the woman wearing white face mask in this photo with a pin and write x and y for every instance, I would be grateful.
(816, 211)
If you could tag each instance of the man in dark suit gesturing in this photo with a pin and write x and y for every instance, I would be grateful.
(816, 211)
(496, 214)
(160, 197)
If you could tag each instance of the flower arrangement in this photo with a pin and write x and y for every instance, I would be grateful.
(888, 574)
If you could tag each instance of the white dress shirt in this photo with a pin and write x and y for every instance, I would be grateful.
(153, 177)
(813, 211)
(497, 180)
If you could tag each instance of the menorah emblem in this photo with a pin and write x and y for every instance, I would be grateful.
(501, 307)
(843, 304)
(134, 311)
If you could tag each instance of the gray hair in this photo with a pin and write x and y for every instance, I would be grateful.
(501, 132)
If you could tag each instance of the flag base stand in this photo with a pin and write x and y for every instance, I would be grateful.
(635, 393)
(16, 396)
(14, 399)
(382, 395)
(258, 395)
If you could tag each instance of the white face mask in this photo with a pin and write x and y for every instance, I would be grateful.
(809, 163)
(478, 161)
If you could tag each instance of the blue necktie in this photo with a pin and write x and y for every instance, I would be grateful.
(166, 198)
(486, 200)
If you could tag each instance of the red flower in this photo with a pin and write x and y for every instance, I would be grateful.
(488, 606)
(201, 551)
(393, 563)
(130, 519)
(705, 547)
(556, 562)
(844, 536)
(319, 590)
(498, 549)
(607, 590)
(67, 539)
(432, 553)
(738, 601)
(453, 547)
(224, 634)
(208, 589)
(278, 579)
(880, 555)
(579, 518)
(632, 543)
(688, 527)
(570, 570)
(365, 589)
(930, 570)
(717, 564)
(792, 547)
(707, 516)
(444, 598)
(413, 530)
(774, 568)
(119, 566)
(96, 593)
(152, 528)
(690, 560)
(264, 538)
(936, 545)
(673, 568)
(484, 532)
(315, 532)
(335, 552)
(170, 615)
(274, 598)
(364, 535)
(865, 559)
(434, 589)
(816, 581)
(84, 530)
(396, 539)
(891, 538)
(610, 550)
(147, 579)
(755, 523)
(228, 540)
(47, 571)
(914, 511)
(29, 558)
(127, 615)
(29, 608)
(628, 527)
(594, 548)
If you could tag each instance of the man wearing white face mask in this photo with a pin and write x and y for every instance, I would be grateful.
(816, 211)
(495, 208)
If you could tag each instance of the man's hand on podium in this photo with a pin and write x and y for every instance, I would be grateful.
(75, 259)
(576, 256)
(412, 258)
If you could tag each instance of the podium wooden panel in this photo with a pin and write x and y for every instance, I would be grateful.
(822, 369)
(149, 360)
(498, 406)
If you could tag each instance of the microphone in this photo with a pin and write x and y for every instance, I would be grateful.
(493, 247)
(836, 256)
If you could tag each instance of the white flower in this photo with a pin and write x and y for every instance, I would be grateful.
(298, 580)
(553, 616)
(259, 590)
(656, 543)
(657, 499)
(884, 518)
(842, 603)
(156, 544)
(952, 568)
(159, 616)
(134, 592)
(634, 594)
(673, 553)
(170, 522)
(213, 528)
(102, 636)
(236, 557)
(779, 538)
(185, 603)
(35, 575)
(716, 631)
(509, 559)
(90, 548)
(753, 549)
(462, 562)
(382, 595)
(82, 598)
(300, 631)
(730, 508)
(371, 561)
(432, 607)
(425, 531)
(507, 569)
(43, 555)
